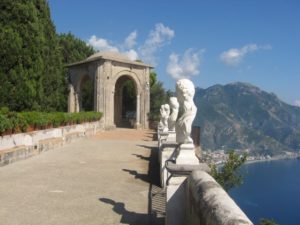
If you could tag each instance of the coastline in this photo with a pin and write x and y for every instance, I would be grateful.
(275, 158)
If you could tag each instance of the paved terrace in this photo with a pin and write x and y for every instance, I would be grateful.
(110, 178)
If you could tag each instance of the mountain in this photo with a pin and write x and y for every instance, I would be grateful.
(242, 116)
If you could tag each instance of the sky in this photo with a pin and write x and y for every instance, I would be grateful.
(210, 42)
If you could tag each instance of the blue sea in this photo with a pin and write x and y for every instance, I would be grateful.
(270, 190)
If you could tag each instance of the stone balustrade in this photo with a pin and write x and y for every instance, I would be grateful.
(196, 198)
(207, 203)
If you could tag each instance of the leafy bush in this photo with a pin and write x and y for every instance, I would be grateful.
(19, 122)
(228, 175)
(4, 123)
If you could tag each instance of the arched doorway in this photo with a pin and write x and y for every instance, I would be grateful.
(86, 96)
(125, 102)
(105, 69)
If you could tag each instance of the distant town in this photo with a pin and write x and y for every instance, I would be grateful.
(221, 156)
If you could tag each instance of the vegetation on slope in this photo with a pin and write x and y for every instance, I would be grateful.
(241, 116)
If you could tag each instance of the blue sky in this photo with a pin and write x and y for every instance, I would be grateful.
(211, 42)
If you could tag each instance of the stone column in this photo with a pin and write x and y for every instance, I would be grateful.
(71, 99)
(147, 99)
(138, 109)
(96, 91)
(77, 101)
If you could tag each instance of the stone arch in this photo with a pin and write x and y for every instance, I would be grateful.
(87, 94)
(106, 69)
(125, 101)
(133, 119)
(82, 93)
(132, 76)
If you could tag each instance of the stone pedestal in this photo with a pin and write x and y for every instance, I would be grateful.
(166, 151)
(171, 137)
(138, 126)
(175, 208)
(162, 138)
(186, 155)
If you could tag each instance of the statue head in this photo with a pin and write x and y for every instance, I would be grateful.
(167, 108)
(185, 90)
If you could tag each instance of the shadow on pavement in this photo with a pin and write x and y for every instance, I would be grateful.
(137, 175)
(142, 157)
(128, 217)
(156, 195)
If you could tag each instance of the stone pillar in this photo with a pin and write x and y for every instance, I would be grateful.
(71, 99)
(96, 91)
(77, 101)
(176, 202)
(112, 107)
(147, 99)
(138, 111)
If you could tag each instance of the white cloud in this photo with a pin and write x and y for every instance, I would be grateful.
(157, 38)
(101, 44)
(132, 54)
(297, 103)
(234, 56)
(130, 41)
(185, 67)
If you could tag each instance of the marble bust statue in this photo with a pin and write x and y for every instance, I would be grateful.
(164, 113)
(174, 113)
(185, 92)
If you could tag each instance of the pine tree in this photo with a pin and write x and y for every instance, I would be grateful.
(73, 49)
(31, 76)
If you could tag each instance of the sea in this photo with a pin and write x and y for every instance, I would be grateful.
(271, 190)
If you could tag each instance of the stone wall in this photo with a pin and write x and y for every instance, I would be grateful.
(21, 146)
(208, 203)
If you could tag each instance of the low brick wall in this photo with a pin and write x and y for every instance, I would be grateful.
(21, 146)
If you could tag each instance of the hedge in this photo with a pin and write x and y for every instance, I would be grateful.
(15, 122)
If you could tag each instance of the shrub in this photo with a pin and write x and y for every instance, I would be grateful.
(40, 120)
(4, 124)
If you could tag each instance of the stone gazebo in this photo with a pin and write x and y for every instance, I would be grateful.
(109, 71)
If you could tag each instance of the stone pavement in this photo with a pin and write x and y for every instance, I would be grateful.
(105, 179)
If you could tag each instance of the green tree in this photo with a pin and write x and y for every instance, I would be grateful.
(54, 80)
(129, 97)
(73, 49)
(228, 176)
(30, 67)
(158, 96)
(265, 221)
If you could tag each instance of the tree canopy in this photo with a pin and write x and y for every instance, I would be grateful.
(30, 65)
(73, 49)
(158, 96)
(32, 73)
(228, 175)
(265, 221)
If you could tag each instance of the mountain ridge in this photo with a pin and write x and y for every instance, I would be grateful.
(242, 116)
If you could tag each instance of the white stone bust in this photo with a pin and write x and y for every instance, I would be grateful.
(174, 113)
(164, 113)
(185, 92)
